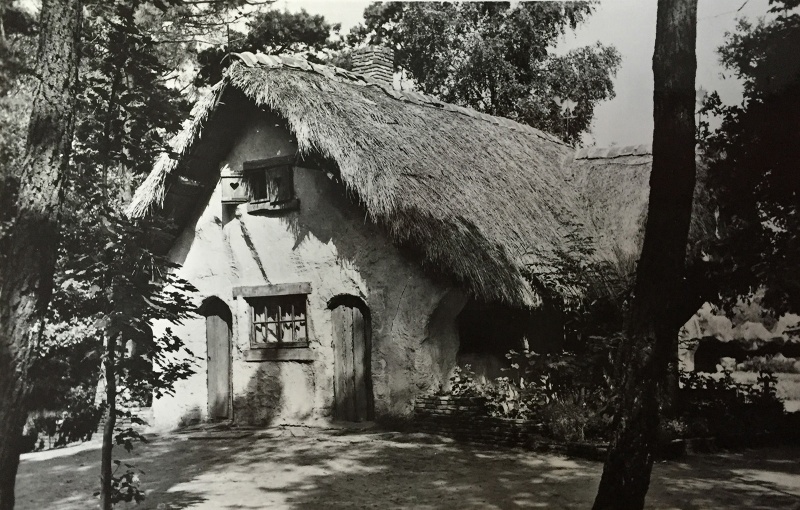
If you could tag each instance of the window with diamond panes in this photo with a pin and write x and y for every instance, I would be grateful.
(278, 321)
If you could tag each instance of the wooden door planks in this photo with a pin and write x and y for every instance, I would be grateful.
(359, 366)
(347, 365)
(338, 376)
(218, 342)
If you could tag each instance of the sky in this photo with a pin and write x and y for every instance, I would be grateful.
(629, 25)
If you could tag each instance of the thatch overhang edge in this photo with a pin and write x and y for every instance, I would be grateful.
(151, 193)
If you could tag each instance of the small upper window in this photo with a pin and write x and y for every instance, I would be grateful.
(278, 321)
(274, 184)
(271, 184)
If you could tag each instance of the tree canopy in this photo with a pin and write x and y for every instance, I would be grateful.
(498, 59)
(752, 159)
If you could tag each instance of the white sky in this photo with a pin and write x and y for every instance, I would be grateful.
(630, 26)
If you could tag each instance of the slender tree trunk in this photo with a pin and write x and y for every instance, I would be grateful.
(651, 331)
(27, 277)
(111, 420)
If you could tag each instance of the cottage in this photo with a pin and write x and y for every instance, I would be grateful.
(353, 242)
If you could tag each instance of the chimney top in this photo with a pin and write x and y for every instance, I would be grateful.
(377, 62)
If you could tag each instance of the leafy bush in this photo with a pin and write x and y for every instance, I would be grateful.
(722, 408)
(579, 386)
(674, 428)
(573, 399)
(777, 364)
(551, 389)
(463, 383)
(78, 421)
(569, 418)
(125, 486)
(505, 399)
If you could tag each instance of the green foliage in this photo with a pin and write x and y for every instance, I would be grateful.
(66, 365)
(126, 485)
(571, 393)
(752, 160)
(463, 383)
(590, 365)
(80, 418)
(14, 112)
(19, 27)
(570, 418)
(77, 422)
(64, 377)
(497, 58)
(506, 399)
(722, 408)
(125, 437)
(772, 364)
(589, 294)
(107, 283)
(126, 289)
(107, 274)
(127, 109)
(558, 390)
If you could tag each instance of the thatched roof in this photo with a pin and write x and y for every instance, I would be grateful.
(477, 196)
(613, 186)
(480, 198)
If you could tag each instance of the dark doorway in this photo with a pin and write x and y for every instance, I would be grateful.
(218, 344)
(352, 354)
(488, 331)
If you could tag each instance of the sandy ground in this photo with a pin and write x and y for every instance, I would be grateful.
(298, 468)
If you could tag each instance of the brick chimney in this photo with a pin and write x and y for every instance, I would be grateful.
(377, 62)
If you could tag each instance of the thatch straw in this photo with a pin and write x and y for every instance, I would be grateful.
(613, 186)
(478, 196)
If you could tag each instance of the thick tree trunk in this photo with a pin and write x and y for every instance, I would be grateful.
(651, 331)
(27, 277)
(106, 470)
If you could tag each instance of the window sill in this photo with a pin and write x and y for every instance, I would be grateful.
(267, 206)
(280, 354)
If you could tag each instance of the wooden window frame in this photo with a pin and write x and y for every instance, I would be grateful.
(267, 302)
(276, 351)
(265, 167)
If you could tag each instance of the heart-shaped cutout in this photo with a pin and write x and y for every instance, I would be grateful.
(234, 185)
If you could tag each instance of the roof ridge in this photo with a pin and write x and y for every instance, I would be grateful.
(344, 76)
(644, 149)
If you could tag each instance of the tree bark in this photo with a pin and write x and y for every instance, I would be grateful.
(651, 332)
(106, 471)
(27, 277)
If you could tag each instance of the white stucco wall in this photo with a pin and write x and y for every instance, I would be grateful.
(329, 243)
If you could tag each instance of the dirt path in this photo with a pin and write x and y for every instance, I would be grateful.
(301, 468)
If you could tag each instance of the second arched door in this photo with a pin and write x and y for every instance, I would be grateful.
(351, 347)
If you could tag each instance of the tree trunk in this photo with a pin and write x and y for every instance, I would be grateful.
(27, 277)
(651, 332)
(106, 471)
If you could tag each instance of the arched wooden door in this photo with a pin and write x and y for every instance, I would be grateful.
(218, 343)
(351, 347)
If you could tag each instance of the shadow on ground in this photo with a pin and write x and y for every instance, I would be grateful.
(301, 468)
